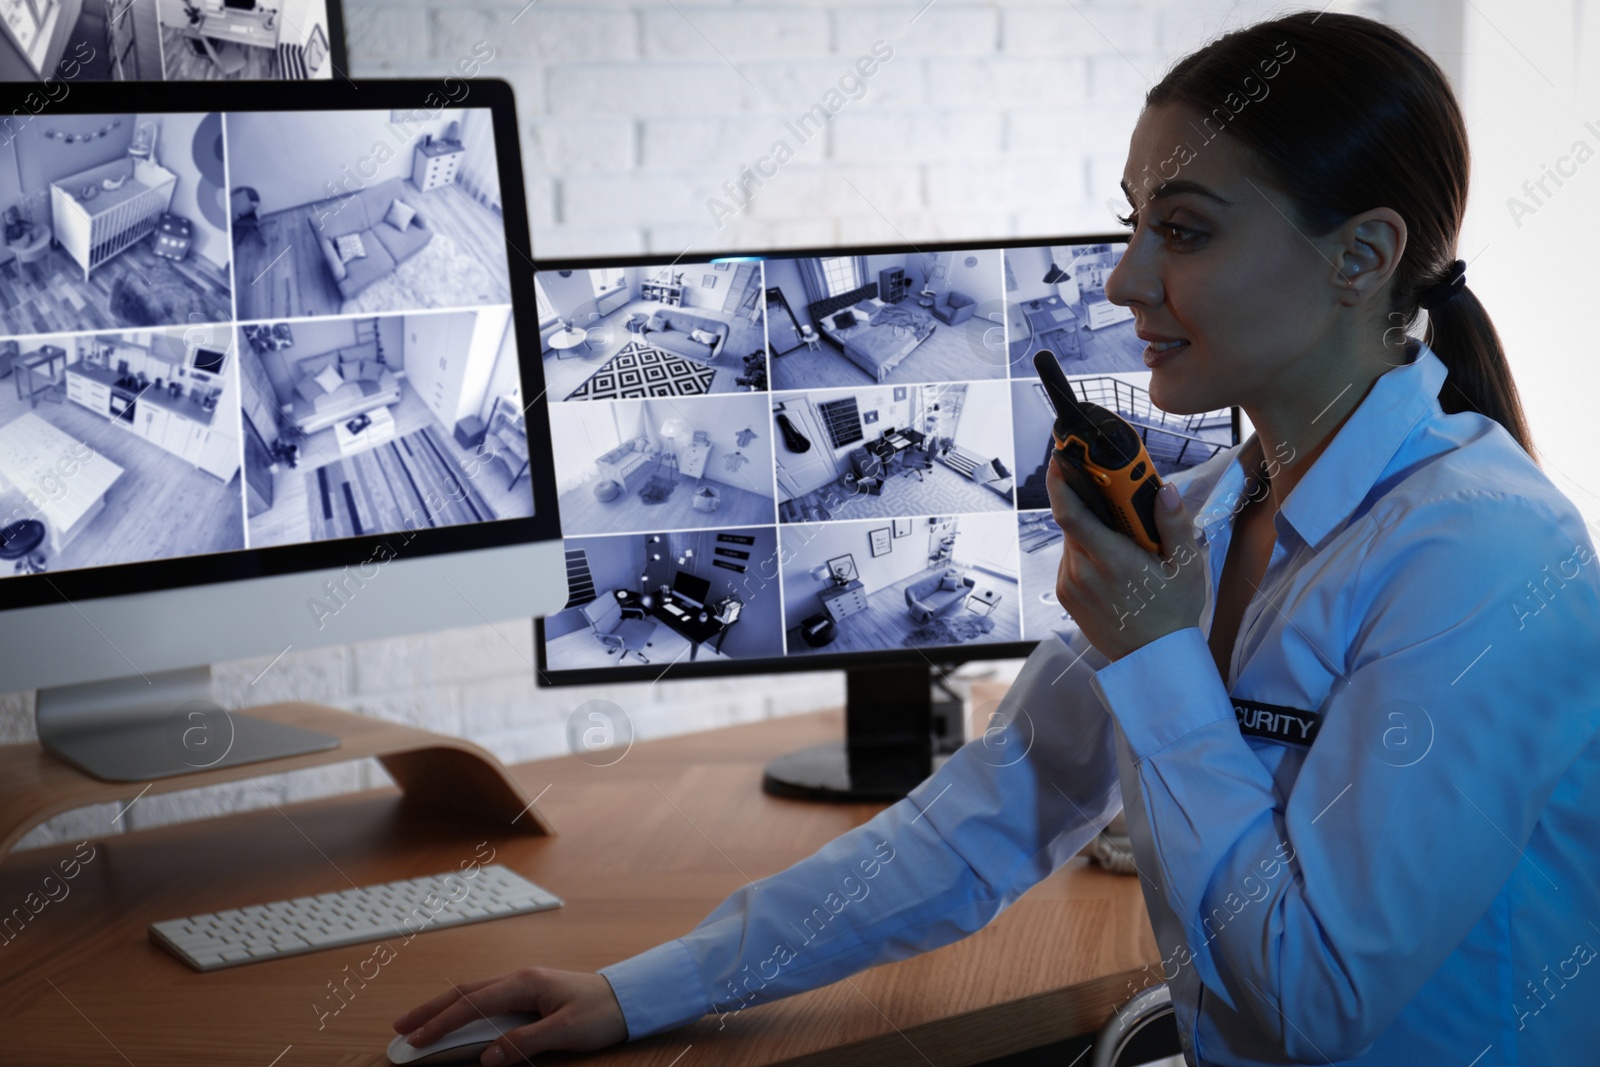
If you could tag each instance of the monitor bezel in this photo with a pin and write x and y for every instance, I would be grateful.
(942, 655)
(432, 94)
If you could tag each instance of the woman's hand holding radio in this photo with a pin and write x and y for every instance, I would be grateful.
(1121, 596)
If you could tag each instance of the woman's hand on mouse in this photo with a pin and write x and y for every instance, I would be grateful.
(578, 1013)
(1121, 596)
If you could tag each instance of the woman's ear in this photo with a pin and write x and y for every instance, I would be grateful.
(1366, 251)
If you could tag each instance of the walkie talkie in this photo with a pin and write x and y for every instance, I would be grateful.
(1102, 459)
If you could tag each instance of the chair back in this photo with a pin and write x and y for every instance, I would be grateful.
(866, 463)
(603, 614)
(1113, 1045)
(244, 201)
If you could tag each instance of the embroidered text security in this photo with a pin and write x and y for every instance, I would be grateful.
(1276, 722)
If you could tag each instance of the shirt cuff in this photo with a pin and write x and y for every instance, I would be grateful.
(659, 989)
(1163, 690)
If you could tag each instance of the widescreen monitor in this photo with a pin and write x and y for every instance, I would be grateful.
(847, 445)
(240, 425)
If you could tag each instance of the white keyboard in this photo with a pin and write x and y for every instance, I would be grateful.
(371, 913)
(675, 609)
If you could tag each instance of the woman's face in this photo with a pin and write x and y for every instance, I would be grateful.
(1215, 263)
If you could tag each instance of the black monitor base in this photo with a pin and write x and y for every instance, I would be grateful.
(888, 747)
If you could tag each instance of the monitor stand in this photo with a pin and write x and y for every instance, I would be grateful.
(184, 744)
(158, 726)
(888, 747)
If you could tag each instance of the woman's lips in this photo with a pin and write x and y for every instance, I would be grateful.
(1157, 353)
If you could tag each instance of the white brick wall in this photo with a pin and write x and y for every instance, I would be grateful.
(991, 119)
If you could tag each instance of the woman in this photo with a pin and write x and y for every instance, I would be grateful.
(1352, 711)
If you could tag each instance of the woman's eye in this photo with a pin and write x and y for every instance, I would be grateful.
(1180, 236)
(1175, 235)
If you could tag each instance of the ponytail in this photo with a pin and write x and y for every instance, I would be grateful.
(1461, 335)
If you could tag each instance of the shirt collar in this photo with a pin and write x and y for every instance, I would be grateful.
(1342, 476)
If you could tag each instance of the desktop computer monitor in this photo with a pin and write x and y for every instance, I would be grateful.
(690, 588)
(846, 447)
(270, 390)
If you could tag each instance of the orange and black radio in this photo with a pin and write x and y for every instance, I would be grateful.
(1102, 459)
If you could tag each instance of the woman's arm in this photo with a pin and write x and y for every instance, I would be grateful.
(1002, 813)
(1377, 871)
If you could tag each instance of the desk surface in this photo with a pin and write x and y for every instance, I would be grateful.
(645, 849)
(688, 625)
(1052, 314)
(45, 356)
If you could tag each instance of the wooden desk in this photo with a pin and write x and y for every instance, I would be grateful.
(886, 448)
(646, 847)
(688, 626)
(1052, 315)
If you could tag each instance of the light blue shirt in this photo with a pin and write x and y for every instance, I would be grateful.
(1419, 884)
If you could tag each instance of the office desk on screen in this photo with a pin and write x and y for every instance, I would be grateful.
(1054, 325)
(645, 848)
(688, 626)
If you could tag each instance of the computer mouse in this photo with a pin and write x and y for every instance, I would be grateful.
(459, 1046)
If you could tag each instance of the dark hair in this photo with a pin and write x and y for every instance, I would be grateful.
(1355, 116)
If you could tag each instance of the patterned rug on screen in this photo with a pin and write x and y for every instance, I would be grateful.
(640, 370)
(949, 631)
(410, 483)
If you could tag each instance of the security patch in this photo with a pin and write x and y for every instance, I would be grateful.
(1276, 722)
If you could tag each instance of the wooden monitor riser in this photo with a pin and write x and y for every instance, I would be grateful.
(434, 771)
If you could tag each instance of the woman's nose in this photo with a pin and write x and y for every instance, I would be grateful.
(1134, 282)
